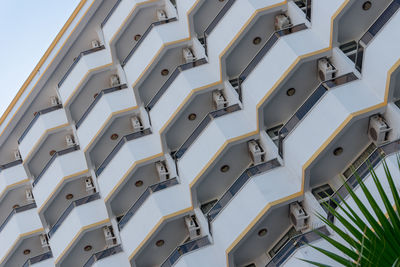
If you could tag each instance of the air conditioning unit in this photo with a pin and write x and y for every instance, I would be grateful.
(378, 129)
(219, 100)
(114, 80)
(54, 101)
(326, 71)
(17, 155)
(188, 55)
(95, 44)
(162, 171)
(70, 140)
(256, 153)
(193, 227)
(29, 195)
(44, 241)
(298, 216)
(89, 185)
(109, 236)
(161, 15)
(136, 124)
(282, 21)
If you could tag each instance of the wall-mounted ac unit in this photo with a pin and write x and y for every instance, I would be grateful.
(326, 71)
(109, 236)
(114, 80)
(95, 44)
(136, 124)
(298, 216)
(188, 55)
(162, 171)
(44, 241)
(161, 15)
(193, 227)
(29, 195)
(219, 100)
(54, 101)
(89, 185)
(378, 129)
(282, 21)
(256, 152)
(70, 140)
(17, 155)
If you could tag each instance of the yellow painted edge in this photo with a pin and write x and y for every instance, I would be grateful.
(21, 236)
(59, 185)
(128, 17)
(83, 80)
(83, 229)
(40, 139)
(105, 123)
(128, 172)
(41, 62)
(154, 229)
(8, 187)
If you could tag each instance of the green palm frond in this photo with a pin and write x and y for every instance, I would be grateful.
(369, 233)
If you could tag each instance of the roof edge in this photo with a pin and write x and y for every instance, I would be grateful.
(41, 62)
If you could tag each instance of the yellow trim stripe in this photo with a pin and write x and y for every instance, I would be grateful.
(65, 178)
(154, 229)
(81, 231)
(19, 239)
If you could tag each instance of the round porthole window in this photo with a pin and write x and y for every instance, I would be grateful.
(160, 243)
(114, 136)
(257, 40)
(164, 72)
(52, 152)
(367, 5)
(192, 116)
(225, 168)
(262, 232)
(137, 37)
(87, 248)
(338, 151)
(139, 183)
(69, 196)
(27, 252)
(290, 92)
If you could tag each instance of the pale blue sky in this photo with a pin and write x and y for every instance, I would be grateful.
(27, 27)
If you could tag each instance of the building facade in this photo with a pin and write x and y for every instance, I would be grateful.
(197, 132)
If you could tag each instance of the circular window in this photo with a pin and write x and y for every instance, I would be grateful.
(139, 183)
(225, 168)
(95, 95)
(27, 251)
(87, 248)
(262, 232)
(69, 196)
(257, 40)
(137, 37)
(367, 5)
(164, 72)
(338, 151)
(192, 116)
(114, 136)
(52, 152)
(16, 206)
(160, 243)
(290, 91)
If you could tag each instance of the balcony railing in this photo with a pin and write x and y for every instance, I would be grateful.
(262, 52)
(309, 104)
(184, 249)
(16, 210)
(238, 184)
(373, 30)
(52, 159)
(115, 150)
(76, 60)
(97, 99)
(110, 13)
(37, 259)
(68, 210)
(150, 190)
(295, 243)
(10, 164)
(202, 125)
(216, 20)
(362, 171)
(36, 117)
(103, 254)
(144, 35)
(172, 78)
